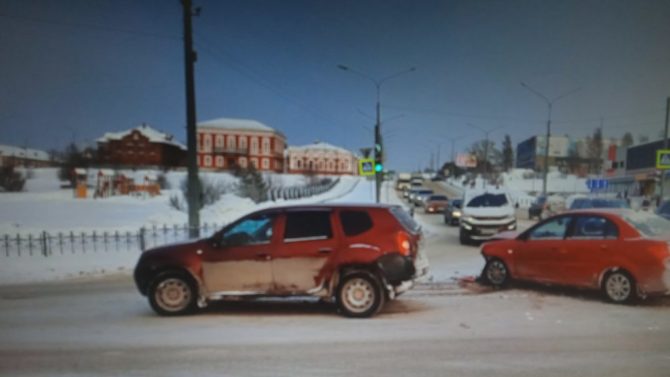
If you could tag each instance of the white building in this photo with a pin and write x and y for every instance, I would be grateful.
(321, 158)
(26, 157)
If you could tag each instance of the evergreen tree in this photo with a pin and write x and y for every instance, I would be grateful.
(627, 140)
(595, 151)
(507, 154)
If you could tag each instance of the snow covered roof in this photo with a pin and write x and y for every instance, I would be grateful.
(27, 153)
(236, 124)
(319, 145)
(150, 133)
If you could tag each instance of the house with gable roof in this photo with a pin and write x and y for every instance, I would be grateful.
(140, 146)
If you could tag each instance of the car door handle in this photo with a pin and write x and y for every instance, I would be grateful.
(325, 250)
(263, 256)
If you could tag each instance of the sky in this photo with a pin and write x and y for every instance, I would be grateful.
(73, 70)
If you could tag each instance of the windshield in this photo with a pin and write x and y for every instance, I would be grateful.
(488, 200)
(599, 203)
(649, 224)
(457, 203)
(438, 197)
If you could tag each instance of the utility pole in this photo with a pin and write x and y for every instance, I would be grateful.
(191, 140)
(665, 145)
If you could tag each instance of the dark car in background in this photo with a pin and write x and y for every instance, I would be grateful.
(452, 213)
(664, 209)
(536, 208)
(353, 255)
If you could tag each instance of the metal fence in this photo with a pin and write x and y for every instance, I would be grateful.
(298, 192)
(52, 244)
(47, 244)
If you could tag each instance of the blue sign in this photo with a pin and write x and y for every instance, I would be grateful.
(596, 184)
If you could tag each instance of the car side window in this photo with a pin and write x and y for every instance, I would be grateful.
(251, 231)
(553, 229)
(307, 226)
(355, 222)
(594, 227)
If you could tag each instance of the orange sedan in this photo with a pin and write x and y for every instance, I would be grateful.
(623, 253)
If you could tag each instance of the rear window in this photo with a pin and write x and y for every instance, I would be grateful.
(648, 224)
(405, 219)
(488, 200)
(355, 222)
(438, 197)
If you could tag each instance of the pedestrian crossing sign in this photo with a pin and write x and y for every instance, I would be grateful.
(663, 159)
(366, 166)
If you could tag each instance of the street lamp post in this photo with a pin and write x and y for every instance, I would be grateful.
(377, 133)
(550, 104)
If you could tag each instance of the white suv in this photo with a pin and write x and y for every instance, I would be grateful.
(484, 214)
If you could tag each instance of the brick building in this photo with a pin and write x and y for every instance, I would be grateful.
(26, 157)
(224, 143)
(321, 158)
(140, 146)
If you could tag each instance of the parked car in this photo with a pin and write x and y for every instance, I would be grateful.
(421, 196)
(355, 256)
(435, 203)
(537, 208)
(585, 203)
(452, 213)
(664, 209)
(623, 253)
(484, 214)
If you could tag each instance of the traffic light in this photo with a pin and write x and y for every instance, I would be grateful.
(379, 165)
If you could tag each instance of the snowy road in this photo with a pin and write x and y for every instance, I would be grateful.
(103, 327)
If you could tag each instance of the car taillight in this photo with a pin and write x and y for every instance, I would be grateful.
(404, 243)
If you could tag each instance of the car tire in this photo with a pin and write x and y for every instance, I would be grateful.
(360, 295)
(463, 237)
(619, 287)
(173, 294)
(496, 273)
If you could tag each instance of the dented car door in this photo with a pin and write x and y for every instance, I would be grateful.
(239, 260)
(306, 245)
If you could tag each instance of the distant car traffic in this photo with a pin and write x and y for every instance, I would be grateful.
(452, 213)
(435, 203)
(623, 253)
(664, 209)
(420, 197)
(485, 213)
(355, 256)
(586, 203)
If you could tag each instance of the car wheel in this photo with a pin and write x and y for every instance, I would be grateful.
(360, 295)
(496, 273)
(463, 237)
(172, 294)
(619, 287)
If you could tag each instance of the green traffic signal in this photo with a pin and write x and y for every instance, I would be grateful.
(379, 167)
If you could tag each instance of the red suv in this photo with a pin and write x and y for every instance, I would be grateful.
(356, 256)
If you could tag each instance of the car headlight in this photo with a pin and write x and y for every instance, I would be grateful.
(468, 219)
(456, 213)
(466, 225)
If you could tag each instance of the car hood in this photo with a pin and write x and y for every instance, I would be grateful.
(488, 211)
(509, 235)
(174, 248)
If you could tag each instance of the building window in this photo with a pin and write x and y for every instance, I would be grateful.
(266, 146)
(321, 165)
(243, 143)
(254, 145)
(266, 164)
(230, 142)
(208, 161)
(243, 162)
(330, 166)
(299, 164)
(219, 161)
(208, 143)
(254, 162)
(218, 141)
